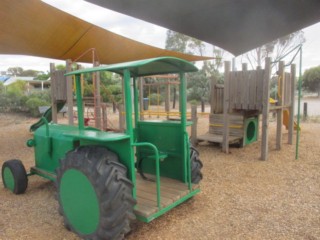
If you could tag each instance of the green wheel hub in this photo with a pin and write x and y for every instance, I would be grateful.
(79, 201)
(8, 179)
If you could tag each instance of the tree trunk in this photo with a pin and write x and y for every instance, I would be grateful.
(202, 105)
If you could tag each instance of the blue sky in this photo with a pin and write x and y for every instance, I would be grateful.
(137, 30)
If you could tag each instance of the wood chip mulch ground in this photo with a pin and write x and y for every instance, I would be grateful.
(241, 198)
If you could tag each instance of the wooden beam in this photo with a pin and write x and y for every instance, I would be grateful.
(69, 93)
(141, 84)
(194, 119)
(53, 93)
(212, 96)
(97, 97)
(291, 109)
(225, 143)
(265, 110)
(167, 101)
(280, 103)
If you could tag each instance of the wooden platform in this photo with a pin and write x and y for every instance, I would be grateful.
(171, 191)
(209, 137)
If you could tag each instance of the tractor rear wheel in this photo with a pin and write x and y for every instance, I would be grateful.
(94, 193)
(196, 165)
(14, 176)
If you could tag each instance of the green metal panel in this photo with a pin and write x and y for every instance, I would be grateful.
(152, 66)
(50, 149)
(79, 201)
(8, 179)
(63, 138)
(169, 139)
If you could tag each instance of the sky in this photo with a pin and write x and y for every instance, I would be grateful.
(140, 31)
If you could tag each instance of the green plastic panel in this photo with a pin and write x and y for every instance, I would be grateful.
(251, 128)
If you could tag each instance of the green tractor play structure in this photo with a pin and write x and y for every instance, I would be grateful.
(104, 179)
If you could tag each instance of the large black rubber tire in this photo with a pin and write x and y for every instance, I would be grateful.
(196, 165)
(113, 189)
(20, 179)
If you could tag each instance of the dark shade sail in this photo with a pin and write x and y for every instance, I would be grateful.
(234, 25)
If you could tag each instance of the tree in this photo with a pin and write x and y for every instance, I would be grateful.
(311, 80)
(182, 43)
(42, 76)
(29, 73)
(198, 82)
(15, 71)
(275, 49)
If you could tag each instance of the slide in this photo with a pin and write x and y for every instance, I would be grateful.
(47, 115)
(286, 120)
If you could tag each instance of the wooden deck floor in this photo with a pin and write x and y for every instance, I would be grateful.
(171, 191)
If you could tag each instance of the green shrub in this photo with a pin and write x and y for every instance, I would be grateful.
(33, 105)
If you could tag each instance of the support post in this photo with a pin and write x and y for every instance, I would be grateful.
(225, 141)
(305, 111)
(167, 102)
(69, 93)
(54, 111)
(194, 119)
(121, 118)
(265, 110)
(291, 109)
(280, 103)
(212, 96)
(104, 117)
(141, 81)
(97, 97)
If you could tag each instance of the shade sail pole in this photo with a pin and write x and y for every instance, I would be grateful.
(299, 100)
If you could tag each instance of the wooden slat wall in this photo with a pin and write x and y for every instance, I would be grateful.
(235, 124)
(245, 91)
(60, 91)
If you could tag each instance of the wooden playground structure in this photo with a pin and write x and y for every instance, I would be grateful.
(237, 105)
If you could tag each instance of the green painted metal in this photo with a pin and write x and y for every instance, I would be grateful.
(152, 66)
(168, 137)
(135, 102)
(184, 138)
(79, 201)
(156, 157)
(8, 179)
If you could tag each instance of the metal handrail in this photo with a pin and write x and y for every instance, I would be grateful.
(150, 145)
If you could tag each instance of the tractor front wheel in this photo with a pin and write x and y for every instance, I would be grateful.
(14, 176)
(94, 193)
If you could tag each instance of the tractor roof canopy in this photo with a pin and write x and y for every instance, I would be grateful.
(151, 66)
